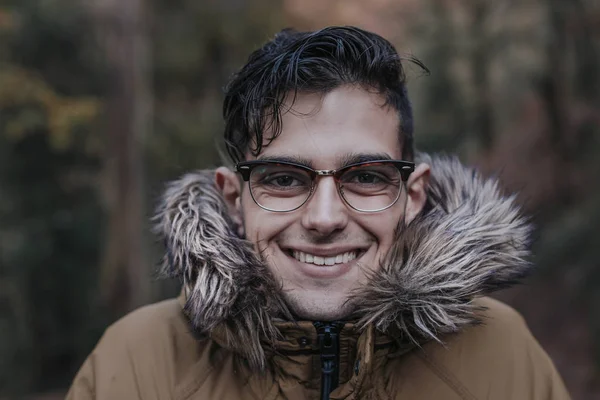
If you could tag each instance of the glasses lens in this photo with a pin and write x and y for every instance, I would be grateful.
(371, 187)
(280, 187)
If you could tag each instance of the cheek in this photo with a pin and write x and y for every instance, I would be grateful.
(386, 229)
(262, 227)
(382, 227)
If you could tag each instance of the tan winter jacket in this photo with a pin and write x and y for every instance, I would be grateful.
(422, 328)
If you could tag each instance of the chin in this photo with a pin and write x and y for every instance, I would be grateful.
(315, 308)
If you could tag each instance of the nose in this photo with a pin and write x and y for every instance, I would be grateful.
(325, 212)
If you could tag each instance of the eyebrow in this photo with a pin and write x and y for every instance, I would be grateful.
(290, 159)
(354, 158)
(347, 159)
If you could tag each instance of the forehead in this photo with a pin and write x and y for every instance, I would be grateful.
(326, 129)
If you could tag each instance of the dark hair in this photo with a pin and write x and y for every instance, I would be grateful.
(318, 62)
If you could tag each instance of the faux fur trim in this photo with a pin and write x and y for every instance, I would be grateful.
(227, 288)
(469, 241)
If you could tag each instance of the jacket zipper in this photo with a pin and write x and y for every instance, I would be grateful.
(329, 346)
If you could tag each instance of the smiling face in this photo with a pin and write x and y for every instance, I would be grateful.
(325, 249)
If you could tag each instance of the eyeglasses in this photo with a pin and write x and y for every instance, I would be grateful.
(366, 186)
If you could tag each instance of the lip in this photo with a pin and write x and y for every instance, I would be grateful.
(324, 271)
(325, 251)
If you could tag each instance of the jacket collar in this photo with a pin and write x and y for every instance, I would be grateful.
(470, 240)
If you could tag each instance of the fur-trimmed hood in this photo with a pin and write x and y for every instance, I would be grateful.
(469, 241)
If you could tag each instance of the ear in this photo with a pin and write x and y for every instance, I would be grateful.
(230, 187)
(416, 186)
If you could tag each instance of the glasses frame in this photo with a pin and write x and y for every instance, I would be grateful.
(405, 168)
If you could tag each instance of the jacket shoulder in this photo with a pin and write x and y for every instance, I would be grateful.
(499, 358)
(148, 323)
(152, 333)
(501, 325)
(140, 356)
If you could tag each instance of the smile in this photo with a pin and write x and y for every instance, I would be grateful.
(308, 258)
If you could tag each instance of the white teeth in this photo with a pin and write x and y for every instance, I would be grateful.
(319, 260)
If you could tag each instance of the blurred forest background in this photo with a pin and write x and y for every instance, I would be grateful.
(102, 101)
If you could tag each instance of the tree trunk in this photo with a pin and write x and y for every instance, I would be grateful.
(121, 29)
(483, 124)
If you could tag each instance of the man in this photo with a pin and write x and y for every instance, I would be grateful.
(328, 265)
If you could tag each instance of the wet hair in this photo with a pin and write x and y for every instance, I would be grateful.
(311, 62)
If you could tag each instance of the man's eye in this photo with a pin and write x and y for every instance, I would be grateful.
(282, 181)
(367, 178)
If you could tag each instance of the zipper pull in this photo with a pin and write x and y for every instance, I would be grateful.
(328, 335)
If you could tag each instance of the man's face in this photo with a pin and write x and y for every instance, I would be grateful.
(325, 130)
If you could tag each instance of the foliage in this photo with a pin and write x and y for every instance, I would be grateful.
(50, 217)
